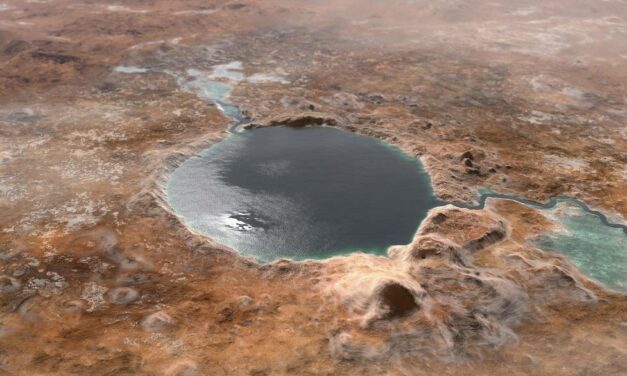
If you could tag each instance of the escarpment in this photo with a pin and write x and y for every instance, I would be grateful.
(438, 299)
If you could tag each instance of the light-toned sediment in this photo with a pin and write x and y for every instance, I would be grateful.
(98, 276)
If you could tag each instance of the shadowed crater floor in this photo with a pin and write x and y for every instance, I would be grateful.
(299, 193)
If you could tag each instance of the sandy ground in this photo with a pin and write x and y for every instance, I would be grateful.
(98, 276)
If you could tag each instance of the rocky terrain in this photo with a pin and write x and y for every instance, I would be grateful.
(99, 101)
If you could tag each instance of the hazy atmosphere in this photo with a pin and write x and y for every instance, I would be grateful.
(346, 187)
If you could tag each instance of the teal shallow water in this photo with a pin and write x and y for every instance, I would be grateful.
(297, 193)
(589, 240)
(593, 243)
(598, 251)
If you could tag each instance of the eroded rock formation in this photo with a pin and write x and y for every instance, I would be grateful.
(99, 277)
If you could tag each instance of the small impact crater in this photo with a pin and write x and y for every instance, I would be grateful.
(398, 300)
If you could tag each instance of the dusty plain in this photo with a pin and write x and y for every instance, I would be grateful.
(99, 277)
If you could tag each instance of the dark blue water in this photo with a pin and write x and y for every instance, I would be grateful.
(302, 193)
(319, 192)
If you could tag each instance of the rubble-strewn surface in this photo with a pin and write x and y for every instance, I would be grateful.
(99, 101)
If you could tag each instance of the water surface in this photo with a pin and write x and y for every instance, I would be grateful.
(598, 251)
(302, 193)
(319, 192)
(591, 241)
